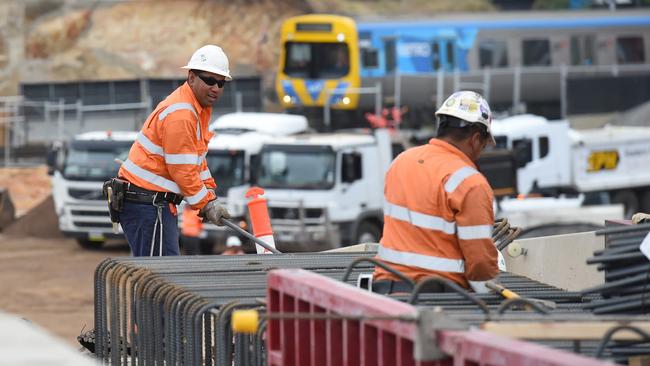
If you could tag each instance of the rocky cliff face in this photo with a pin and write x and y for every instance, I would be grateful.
(150, 38)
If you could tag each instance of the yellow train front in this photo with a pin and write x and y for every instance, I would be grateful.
(319, 63)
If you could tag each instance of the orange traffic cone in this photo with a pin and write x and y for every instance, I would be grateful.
(260, 220)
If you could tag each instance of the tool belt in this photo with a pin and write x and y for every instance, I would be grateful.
(117, 190)
(386, 287)
(136, 194)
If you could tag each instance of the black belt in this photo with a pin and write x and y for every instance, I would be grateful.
(386, 287)
(136, 194)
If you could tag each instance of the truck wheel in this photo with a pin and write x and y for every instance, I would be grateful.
(89, 244)
(629, 200)
(368, 233)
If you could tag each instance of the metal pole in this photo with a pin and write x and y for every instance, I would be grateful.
(79, 113)
(378, 98)
(60, 119)
(516, 90)
(440, 85)
(326, 110)
(487, 83)
(7, 126)
(456, 80)
(239, 101)
(398, 89)
(563, 91)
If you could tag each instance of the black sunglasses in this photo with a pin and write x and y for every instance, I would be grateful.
(210, 81)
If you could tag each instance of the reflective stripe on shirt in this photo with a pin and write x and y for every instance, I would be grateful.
(475, 232)
(418, 218)
(421, 260)
(192, 200)
(458, 177)
(177, 107)
(151, 177)
(205, 175)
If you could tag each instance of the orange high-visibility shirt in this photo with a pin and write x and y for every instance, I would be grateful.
(169, 152)
(438, 217)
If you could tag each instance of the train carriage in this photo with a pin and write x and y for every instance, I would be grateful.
(519, 61)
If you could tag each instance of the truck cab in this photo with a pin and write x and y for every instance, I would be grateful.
(79, 168)
(542, 150)
(325, 190)
(231, 153)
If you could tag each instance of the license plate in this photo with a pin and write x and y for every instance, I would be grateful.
(96, 237)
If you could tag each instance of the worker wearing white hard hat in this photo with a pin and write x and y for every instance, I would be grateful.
(438, 214)
(233, 246)
(166, 163)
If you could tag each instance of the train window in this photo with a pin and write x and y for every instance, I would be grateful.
(435, 55)
(582, 50)
(390, 55)
(629, 50)
(536, 52)
(317, 60)
(492, 54)
(369, 57)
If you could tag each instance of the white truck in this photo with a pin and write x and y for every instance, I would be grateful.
(325, 190)
(78, 169)
(608, 165)
(237, 141)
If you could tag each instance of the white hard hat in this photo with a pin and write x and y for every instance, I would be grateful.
(210, 58)
(233, 241)
(470, 107)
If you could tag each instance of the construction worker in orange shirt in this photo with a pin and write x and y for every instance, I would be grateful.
(438, 213)
(191, 231)
(167, 163)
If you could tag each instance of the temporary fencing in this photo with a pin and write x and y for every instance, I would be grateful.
(176, 310)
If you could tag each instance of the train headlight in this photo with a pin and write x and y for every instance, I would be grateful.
(345, 100)
(340, 37)
(287, 99)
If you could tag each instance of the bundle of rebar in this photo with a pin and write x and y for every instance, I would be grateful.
(627, 272)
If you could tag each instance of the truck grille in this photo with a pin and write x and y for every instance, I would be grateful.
(86, 194)
(293, 213)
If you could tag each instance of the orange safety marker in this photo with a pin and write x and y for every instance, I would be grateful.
(260, 220)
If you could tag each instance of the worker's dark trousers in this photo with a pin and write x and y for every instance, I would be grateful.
(138, 219)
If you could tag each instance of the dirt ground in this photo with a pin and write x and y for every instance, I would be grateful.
(45, 277)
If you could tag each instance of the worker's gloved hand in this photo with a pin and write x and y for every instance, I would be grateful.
(501, 262)
(640, 218)
(213, 212)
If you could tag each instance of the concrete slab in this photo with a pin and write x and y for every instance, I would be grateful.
(558, 260)
(25, 344)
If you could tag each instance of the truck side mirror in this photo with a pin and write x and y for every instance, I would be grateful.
(523, 150)
(351, 167)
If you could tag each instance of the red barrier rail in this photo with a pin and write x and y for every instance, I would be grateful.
(333, 342)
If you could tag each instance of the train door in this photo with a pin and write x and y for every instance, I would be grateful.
(443, 54)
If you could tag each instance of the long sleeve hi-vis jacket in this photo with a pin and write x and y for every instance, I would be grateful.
(438, 217)
(169, 152)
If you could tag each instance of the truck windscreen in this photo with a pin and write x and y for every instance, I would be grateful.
(227, 168)
(306, 167)
(94, 161)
